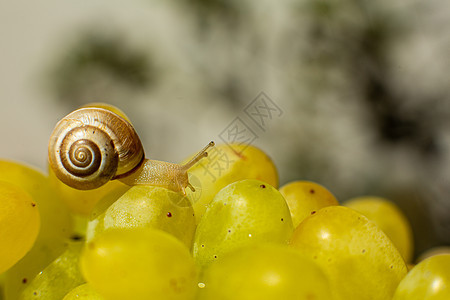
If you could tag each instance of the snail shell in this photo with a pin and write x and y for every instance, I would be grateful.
(91, 146)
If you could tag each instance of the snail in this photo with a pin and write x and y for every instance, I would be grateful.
(95, 144)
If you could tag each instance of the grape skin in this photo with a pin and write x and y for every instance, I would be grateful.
(56, 225)
(19, 224)
(59, 277)
(389, 218)
(83, 292)
(306, 197)
(244, 212)
(264, 272)
(428, 280)
(225, 164)
(139, 263)
(358, 258)
(148, 206)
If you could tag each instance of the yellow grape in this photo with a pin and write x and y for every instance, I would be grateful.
(56, 225)
(428, 280)
(83, 292)
(226, 164)
(359, 259)
(433, 251)
(21, 274)
(264, 272)
(95, 221)
(106, 200)
(95, 227)
(388, 218)
(55, 217)
(244, 212)
(149, 206)
(19, 224)
(305, 197)
(139, 263)
(83, 201)
(58, 278)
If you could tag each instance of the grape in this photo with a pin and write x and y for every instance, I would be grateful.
(106, 200)
(149, 206)
(95, 224)
(2, 285)
(19, 224)
(83, 201)
(264, 272)
(226, 164)
(389, 218)
(55, 227)
(428, 280)
(243, 212)
(84, 291)
(95, 227)
(20, 275)
(305, 197)
(139, 263)
(358, 258)
(55, 217)
(58, 278)
(409, 266)
(434, 251)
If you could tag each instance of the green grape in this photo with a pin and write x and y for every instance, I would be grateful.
(19, 224)
(242, 213)
(433, 251)
(82, 202)
(58, 278)
(359, 259)
(149, 206)
(226, 164)
(20, 275)
(2, 285)
(95, 224)
(106, 200)
(55, 227)
(264, 272)
(305, 197)
(139, 263)
(428, 280)
(55, 217)
(388, 218)
(95, 227)
(83, 292)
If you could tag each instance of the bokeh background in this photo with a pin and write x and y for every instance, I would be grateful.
(362, 86)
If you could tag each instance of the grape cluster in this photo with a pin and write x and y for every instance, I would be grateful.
(238, 236)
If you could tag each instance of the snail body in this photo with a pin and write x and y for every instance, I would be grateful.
(93, 145)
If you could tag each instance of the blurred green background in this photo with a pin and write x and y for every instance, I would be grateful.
(361, 87)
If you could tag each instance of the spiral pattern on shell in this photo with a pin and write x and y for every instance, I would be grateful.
(91, 146)
(82, 158)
